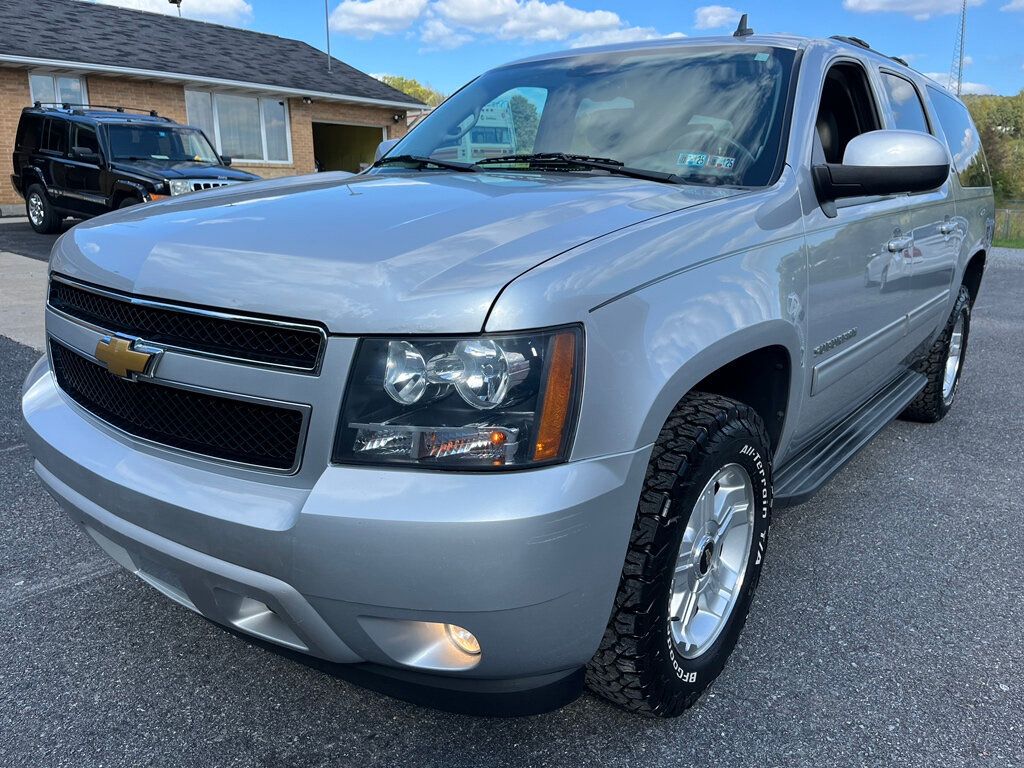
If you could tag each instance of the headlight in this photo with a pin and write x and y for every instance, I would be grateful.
(179, 186)
(484, 402)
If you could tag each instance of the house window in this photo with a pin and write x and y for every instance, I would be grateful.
(57, 89)
(242, 127)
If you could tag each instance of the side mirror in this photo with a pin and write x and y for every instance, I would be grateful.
(85, 155)
(383, 148)
(225, 160)
(883, 163)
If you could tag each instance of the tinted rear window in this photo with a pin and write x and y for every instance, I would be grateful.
(55, 136)
(29, 130)
(962, 138)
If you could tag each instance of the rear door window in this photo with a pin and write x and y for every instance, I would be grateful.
(905, 102)
(55, 137)
(962, 139)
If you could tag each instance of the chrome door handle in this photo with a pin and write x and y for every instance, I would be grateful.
(898, 244)
(948, 228)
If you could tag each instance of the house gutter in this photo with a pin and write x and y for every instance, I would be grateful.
(106, 69)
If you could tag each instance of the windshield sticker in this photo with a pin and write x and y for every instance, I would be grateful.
(692, 159)
(721, 161)
(761, 57)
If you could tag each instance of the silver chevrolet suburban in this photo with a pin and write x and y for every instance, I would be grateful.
(510, 410)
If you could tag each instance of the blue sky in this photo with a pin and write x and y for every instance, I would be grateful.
(446, 42)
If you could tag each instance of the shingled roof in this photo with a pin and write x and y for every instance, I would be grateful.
(74, 32)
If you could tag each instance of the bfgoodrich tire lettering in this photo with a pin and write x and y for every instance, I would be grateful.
(639, 666)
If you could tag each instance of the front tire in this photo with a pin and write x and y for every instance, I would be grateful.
(41, 215)
(943, 365)
(694, 559)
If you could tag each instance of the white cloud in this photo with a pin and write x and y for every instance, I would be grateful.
(919, 9)
(366, 18)
(942, 78)
(448, 24)
(479, 15)
(436, 35)
(715, 17)
(621, 35)
(1014, 5)
(537, 20)
(968, 60)
(226, 11)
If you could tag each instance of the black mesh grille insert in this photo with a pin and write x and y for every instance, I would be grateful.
(253, 341)
(221, 427)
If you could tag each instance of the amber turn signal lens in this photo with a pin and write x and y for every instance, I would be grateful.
(558, 391)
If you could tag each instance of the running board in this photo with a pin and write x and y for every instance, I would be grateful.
(804, 475)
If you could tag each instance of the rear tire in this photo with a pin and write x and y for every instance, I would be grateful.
(41, 215)
(943, 366)
(649, 661)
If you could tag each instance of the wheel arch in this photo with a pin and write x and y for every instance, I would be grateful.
(735, 366)
(123, 189)
(973, 273)
(31, 175)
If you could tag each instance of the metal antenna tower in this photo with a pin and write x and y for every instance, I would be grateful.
(956, 71)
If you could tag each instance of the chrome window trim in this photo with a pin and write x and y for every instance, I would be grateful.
(303, 408)
(154, 304)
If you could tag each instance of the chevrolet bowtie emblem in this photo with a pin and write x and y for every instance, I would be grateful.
(122, 358)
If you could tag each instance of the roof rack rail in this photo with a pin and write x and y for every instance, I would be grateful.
(852, 41)
(82, 108)
(863, 44)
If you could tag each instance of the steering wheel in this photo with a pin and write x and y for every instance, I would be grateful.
(704, 135)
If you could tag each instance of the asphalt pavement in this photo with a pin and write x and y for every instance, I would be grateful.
(888, 628)
(17, 236)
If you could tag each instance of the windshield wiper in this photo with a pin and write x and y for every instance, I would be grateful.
(421, 161)
(549, 160)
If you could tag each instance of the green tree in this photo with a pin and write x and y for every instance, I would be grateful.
(525, 120)
(1000, 121)
(425, 93)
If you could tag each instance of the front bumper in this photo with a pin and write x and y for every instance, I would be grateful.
(528, 561)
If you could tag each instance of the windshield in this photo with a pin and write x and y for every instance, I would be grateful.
(161, 143)
(711, 114)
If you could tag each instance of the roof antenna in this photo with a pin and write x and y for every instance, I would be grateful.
(327, 26)
(742, 30)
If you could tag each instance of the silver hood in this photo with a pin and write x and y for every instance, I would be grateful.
(421, 252)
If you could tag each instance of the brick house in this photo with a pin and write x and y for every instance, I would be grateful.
(268, 102)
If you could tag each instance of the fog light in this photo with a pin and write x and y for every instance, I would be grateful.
(463, 639)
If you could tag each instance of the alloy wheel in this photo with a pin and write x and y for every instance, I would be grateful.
(36, 210)
(712, 561)
(954, 359)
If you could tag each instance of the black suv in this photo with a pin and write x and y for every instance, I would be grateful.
(81, 161)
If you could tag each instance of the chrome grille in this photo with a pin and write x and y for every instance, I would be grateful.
(268, 342)
(198, 185)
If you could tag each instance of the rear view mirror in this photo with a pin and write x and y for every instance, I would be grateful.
(383, 148)
(883, 163)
